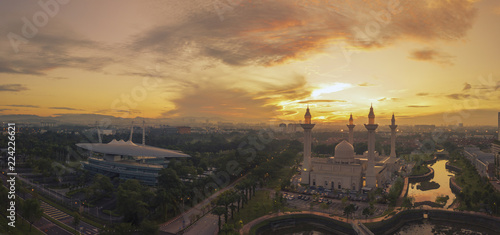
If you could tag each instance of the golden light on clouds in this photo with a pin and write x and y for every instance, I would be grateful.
(258, 59)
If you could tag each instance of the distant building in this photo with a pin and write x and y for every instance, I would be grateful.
(108, 132)
(498, 138)
(127, 160)
(495, 149)
(282, 127)
(176, 129)
(48, 124)
(292, 127)
(484, 162)
(183, 130)
(425, 128)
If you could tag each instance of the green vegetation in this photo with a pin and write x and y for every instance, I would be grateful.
(428, 185)
(349, 209)
(408, 202)
(108, 212)
(31, 210)
(101, 187)
(60, 207)
(395, 191)
(22, 227)
(420, 170)
(477, 193)
(442, 200)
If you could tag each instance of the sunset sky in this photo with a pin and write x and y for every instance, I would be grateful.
(247, 60)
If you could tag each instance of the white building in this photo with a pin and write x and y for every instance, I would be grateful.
(484, 162)
(345, 170)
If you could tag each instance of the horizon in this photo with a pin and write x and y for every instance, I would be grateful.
(429, 62)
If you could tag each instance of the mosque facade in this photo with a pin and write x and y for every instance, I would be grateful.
(346, 170)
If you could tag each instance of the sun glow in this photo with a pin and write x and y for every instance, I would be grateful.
(330, 89)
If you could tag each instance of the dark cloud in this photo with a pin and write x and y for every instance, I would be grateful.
(467, 87)
(13, 87)
(422, 94)
(319, 101)
(51, 49)
(273, 32)
(23, 105)
(208, 98)
(66, 108)
(458, 96)
(418, 106)
(432, 56)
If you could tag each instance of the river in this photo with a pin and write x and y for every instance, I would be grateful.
(438, 186)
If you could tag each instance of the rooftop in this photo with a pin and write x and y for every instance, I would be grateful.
(129, 148)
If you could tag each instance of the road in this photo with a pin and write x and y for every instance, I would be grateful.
(57, 214)
(180, 222)
(43, 224)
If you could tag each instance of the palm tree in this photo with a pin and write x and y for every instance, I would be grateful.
(218, 211)
(233, 207)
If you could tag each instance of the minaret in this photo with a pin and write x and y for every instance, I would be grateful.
(306, 165)
(351, 130)
(371, 180)
(393, 127)
(131, 132)
(143, 132)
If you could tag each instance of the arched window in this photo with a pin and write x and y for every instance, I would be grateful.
(333, 186)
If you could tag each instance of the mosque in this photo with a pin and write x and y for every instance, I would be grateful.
(346, 170)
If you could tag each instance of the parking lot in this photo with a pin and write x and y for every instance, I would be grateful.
(334, 206)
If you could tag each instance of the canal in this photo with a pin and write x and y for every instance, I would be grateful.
(438, 186)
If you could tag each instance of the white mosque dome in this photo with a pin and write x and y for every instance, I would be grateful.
(344, 151)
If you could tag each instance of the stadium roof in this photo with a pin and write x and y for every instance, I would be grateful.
(130, 149)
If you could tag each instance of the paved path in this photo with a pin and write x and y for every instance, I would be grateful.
(180, 222)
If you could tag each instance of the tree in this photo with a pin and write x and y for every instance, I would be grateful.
(149, 228)
(408, 202)
(367, 211)
(123, 229)
(32, 211)
(130, 201)
(3, 194)
(76, 220)
(349, 209)
(101, 187)
(218, 211)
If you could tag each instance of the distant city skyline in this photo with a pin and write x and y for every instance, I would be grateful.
(429, 62)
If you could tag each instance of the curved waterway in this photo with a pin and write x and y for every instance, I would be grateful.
(440, 185)
(421, 227)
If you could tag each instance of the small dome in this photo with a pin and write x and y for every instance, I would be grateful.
(344, 151)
